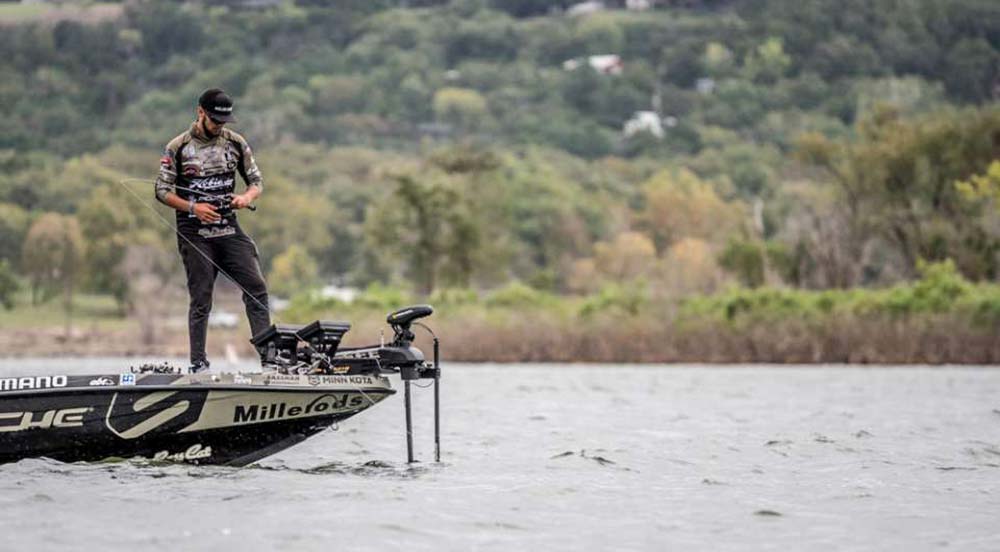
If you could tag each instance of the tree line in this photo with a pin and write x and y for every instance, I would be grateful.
(444, 145)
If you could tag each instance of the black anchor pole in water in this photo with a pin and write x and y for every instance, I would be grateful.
(437, 403)
(409, 422)
(423, 371)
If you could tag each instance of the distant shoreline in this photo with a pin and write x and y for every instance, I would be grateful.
(463, 341)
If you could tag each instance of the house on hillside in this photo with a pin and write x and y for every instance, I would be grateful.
(585, 8)
(644, 121)
(705, 86)
(609, 64)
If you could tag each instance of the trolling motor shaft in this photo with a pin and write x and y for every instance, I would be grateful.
(409, 374)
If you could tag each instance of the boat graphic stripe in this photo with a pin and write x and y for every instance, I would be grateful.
(150, 411)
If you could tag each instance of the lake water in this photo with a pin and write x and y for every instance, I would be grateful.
(570, 458)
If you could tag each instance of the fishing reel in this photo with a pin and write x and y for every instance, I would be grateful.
(223, 203)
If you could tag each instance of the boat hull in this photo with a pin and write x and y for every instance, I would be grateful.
(221, 419)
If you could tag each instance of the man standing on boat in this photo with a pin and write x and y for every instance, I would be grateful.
(198, 179)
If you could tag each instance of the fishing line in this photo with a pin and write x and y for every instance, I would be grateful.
(191, 243)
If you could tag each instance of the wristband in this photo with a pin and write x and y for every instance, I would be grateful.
(191, 206)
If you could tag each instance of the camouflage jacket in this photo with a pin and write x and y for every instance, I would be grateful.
(193, 161)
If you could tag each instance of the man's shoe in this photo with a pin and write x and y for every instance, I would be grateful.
(198, 367)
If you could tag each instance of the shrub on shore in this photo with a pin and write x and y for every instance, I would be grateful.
(941, 290)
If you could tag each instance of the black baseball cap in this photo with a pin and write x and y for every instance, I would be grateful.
(217, 104)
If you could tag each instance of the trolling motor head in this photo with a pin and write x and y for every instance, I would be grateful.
(402, 319)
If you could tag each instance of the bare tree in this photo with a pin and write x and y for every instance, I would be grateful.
(151, 274)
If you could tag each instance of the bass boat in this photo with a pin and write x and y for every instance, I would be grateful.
(157, 413)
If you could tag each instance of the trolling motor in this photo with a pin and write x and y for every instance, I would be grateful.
(401, 321)
(314, 349)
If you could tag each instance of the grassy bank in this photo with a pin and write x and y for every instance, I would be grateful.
(88, 310)
(940, 318)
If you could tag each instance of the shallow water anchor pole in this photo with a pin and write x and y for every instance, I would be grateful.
(437, 403)
(409, 422)
(423, 371)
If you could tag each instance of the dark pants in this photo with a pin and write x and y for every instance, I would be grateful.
(236, 255)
